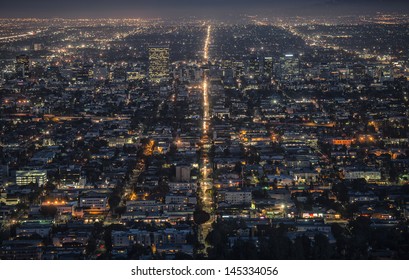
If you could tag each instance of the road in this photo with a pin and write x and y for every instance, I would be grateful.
(206, 182)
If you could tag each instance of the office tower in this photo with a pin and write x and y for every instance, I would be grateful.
(227, 68)
(359, 71)
(158, 63)
(268, 65)
(4, 172)
(289, 68)
(82, 73)
(238, 67)
(253, 67)
(22, 65)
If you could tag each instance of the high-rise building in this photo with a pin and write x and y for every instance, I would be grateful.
(289, 68)
(158, 63)
(359, 71)
(22, 65)
(4, 172)
(253, 66)
(268, 65)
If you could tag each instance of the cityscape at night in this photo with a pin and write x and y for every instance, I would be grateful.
(183, 134)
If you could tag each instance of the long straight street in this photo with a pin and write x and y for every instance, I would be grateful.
(206, 182)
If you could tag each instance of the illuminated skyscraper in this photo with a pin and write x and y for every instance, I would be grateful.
(289, 68)
(158, 63)
(253, 67)
(22, 65)
(268, 65)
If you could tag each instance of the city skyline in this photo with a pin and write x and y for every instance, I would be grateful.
(253, 138)
(207, 9)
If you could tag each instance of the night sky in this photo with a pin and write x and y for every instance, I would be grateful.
(209, 8)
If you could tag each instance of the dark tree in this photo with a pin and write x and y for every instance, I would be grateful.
(201, 217)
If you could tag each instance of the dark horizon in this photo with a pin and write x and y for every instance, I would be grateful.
(210, 8)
